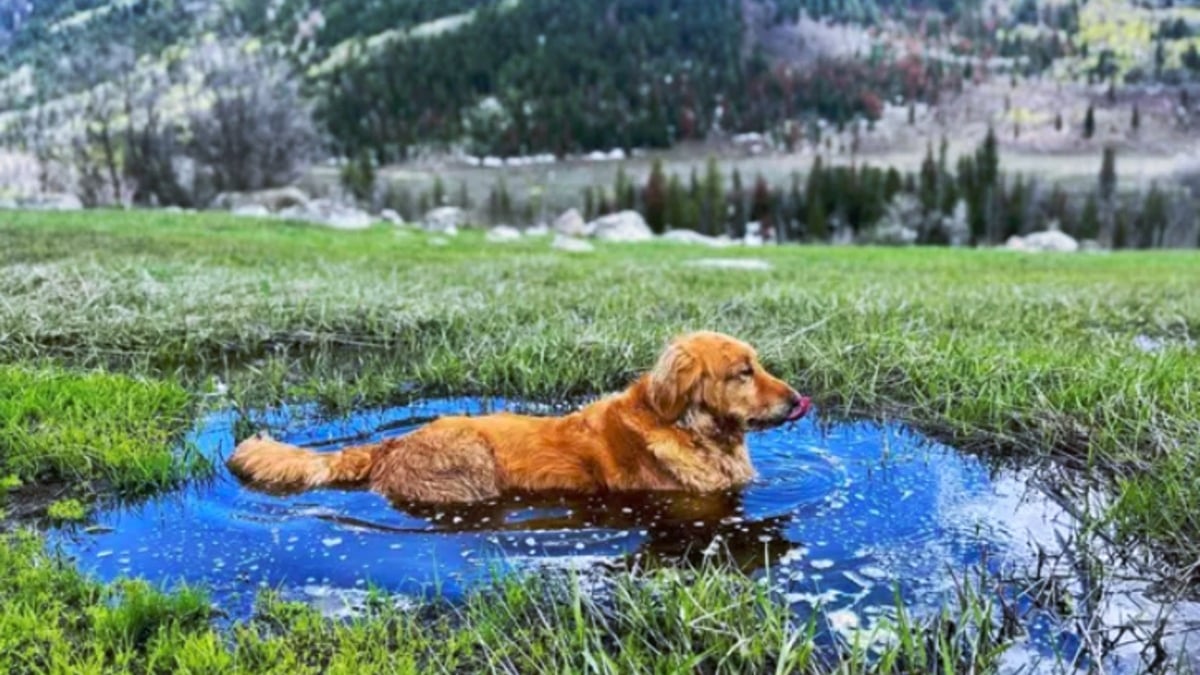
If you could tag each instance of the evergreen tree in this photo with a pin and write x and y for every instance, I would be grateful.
(1155, 217)
(796, 210)
(358, 177)
(1089, 218)
(1135, 119)
(1089, 123)
(737, 204)
(676, 208)
(893, 182)
(929, 182)
(762, 202)
(1108, 174)
(816, 221)
(654, 198)
(713, 205)
(1058, 121)
(621, 188)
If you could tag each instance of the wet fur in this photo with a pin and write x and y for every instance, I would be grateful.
(680, 427)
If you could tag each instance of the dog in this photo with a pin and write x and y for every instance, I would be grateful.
(680, 427)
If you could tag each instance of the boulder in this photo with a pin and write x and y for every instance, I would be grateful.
(754, 234)
(623, 226)
(571, 244)
(1048, 241)
(503, 233)
(391, 216)
(571, 224)
(330, 214)
(444, 220)
(692, 237)
(539, 230)
(273, 200)
(251, 211)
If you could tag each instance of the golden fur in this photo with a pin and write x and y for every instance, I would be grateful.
(680, 427)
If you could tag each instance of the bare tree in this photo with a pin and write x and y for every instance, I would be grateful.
(256, 131)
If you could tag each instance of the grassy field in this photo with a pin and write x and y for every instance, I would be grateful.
(116, 327)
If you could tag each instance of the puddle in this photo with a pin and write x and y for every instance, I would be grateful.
(847, 514)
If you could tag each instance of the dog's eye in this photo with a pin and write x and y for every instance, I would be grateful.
(746, 373)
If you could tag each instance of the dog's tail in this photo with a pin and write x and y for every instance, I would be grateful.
(267, 462)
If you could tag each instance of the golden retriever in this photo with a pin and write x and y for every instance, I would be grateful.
(682, 427)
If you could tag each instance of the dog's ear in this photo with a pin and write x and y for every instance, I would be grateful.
(672, 381)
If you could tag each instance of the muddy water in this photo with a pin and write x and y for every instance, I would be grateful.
(846, 515)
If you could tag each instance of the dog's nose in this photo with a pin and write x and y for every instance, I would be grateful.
(800, 407)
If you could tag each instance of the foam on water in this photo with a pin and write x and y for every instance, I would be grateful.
(846, 514)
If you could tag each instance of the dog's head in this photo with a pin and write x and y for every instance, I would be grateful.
(714, 375)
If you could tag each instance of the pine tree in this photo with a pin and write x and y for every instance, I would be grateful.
(816, 222)
(1155, 217)
(1089, 123)
(987, 160)
(1058, 121)
(713, 204)
(1089, 218)
(796, 213)
(1135, 119)
(676, 209)
(654, 198)
(737, 201)
(1108, 174)
(928, 182)
(621, 187)
(762, 203)
(893, 182)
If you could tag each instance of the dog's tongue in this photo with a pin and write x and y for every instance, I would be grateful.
(803, 404)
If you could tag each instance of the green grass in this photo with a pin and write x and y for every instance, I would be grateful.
(93, 430)
(709, 621)
(115, 325)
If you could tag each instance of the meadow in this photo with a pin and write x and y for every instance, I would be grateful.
(118, 328)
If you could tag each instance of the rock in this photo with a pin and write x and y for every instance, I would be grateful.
(571, 224)
(731, 263)
(623, 226)
(539, 230)
(1015, 243)
(1092, 246)
(251, 211)
(692, 237)
(571, 244)
(391, 216)
(445, 220)
(273, 200)
(754, 234)
(1048, 241)
(503, 233)
(330, 214)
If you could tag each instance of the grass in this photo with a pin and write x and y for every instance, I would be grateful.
(706, 621)
(93, 431)
(115, 325)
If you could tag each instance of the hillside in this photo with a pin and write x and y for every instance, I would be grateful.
(522, 76)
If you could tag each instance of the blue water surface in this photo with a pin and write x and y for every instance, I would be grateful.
(845, 515)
